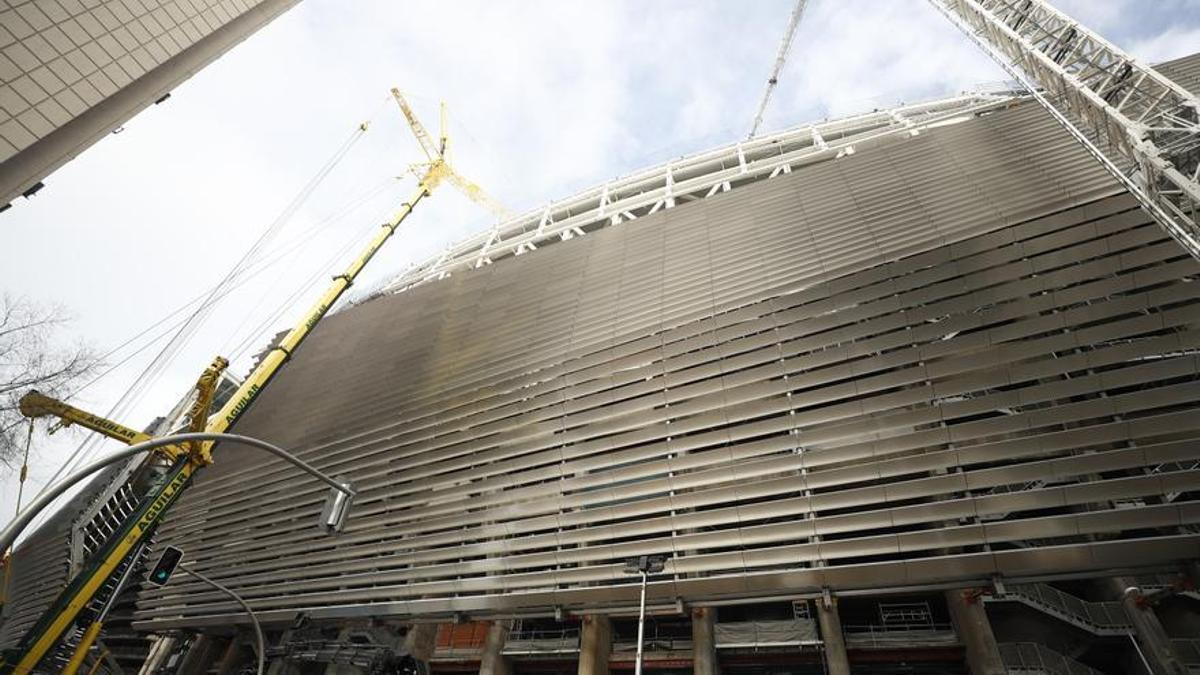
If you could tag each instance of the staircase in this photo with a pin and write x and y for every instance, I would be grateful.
(1188, 651)
(1097, 618)
(1187, 465)
(1031, 657)
(1158, 582)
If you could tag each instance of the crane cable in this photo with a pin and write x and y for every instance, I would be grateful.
(263, 327)
(227, 347)
(780, 59)
(259, 268)
(5, 557)
(189, 326)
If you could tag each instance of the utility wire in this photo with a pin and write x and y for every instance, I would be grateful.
(153, 370)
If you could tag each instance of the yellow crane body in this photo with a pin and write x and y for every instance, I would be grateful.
(36, 404)
(65, 611)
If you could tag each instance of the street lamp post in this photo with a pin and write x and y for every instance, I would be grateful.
(258, 633)
(336, 510)
(644, 565)
(337, 507)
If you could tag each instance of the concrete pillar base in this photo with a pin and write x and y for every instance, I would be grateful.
(971, 623)
(159, 651)
(201, 655)
(704, 641)
(492, 661)
(236, 655)
(595, 645)
(421, 642)
(837, 662)
(1155, 646)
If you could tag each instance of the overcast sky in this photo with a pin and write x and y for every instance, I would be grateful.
(545, 98)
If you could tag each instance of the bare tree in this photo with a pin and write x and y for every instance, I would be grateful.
(31, 358)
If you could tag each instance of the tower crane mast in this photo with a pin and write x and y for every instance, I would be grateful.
(785, 48)
(438, 164)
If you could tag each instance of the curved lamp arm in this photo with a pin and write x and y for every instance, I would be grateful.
(9, 536)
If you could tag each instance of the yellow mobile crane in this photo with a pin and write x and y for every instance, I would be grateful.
(35, 404)
(185, 461)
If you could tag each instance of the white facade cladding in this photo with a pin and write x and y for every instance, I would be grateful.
(957, 355)
(71, 71)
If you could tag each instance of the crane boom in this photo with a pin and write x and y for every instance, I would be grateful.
(36, 404)
(785, 48)
(438, 168)
(1143, 127)
(432, 150)
(135, 530)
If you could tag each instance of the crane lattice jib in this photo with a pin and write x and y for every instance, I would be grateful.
(1141, 125)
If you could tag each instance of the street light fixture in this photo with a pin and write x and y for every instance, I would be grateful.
(644, 565)
(337, 507)
(258, 632)
(332, 521)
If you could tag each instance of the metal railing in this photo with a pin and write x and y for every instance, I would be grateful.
(1031, 657)
(892, 635)
(1188, 650)
(542, 641)
(1102, 618)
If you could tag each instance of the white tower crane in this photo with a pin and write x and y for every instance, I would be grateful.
(785, 47)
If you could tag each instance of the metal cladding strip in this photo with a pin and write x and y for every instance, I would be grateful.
(868, 364)
(692, 177)
(757, 357)
(42, 564)
(548, 368)
(1149, 125)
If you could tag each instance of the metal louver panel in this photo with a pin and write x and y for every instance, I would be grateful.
(851, 375)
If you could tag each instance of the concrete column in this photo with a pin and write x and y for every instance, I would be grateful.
(235, 656)
(704, 641)
(421, 641)
(595, 644)
(1155, 645)
(159, 651)
(282, 665)
(344, 636)
(971, 623)
(201, 654)
(492, 660)
(836, 660)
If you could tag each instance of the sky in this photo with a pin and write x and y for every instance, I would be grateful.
(545, 98)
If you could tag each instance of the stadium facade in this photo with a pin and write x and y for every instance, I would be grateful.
(927, 398)
(73, 71)
(914, 391)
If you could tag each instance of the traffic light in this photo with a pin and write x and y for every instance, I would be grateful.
(166, 564)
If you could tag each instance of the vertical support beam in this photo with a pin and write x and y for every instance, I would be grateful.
(837, 661)
(971, 623)
(704, 641)
(282, 665)
(235, 656)
(159, 651)
(201, 655)
(492, 660)
(1148, 630)
(595, 644)
(421, 642)
(344, 636)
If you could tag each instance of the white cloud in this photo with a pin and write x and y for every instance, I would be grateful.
(545, 97)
